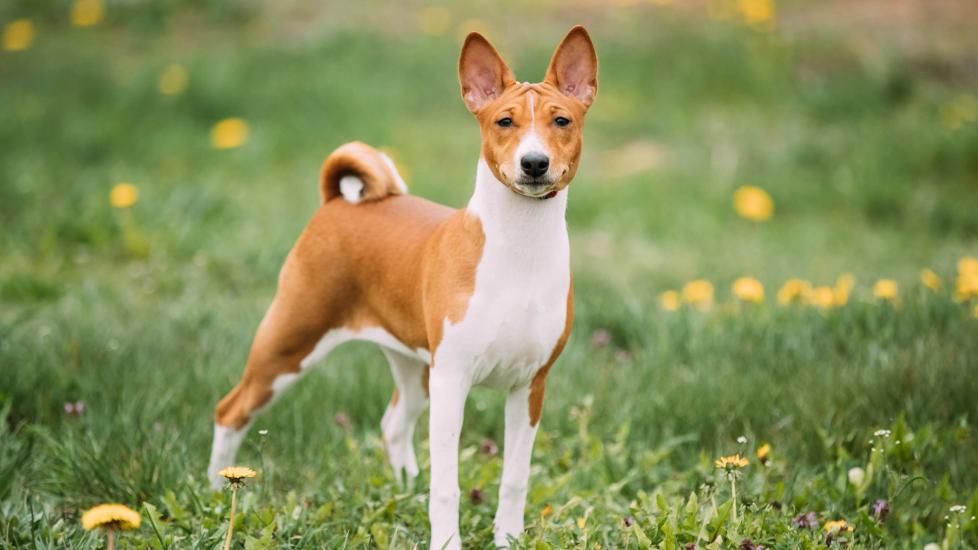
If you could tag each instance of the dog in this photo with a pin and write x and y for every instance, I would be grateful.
(481, 295)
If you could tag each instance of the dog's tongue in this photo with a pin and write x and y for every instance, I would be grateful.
(549, 195)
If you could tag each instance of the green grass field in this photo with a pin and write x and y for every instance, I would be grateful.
(868, 147)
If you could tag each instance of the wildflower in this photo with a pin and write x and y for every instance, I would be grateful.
(932, 546)
(967, 265)
(794, 291)
(930, 280)
(756, 11)
(488, 447)
(237, 474)
(731, 462)
(699, 293)
(881, 509)
(823, 297)
(763, 452)
(753, 203)
(86, 13)
(18, 35)
(263, 433)
(173, 79)
(580, 522)
(110, 518)
(882, 433)
(74, 409)
(843, 287)
(742, 439)
(807, 520)
(669, 300)
(967, 284)
(547, 510)
(600, 338)
(476, 496)
(123, 195)
(958, 508)
(748, 544)
(856, 476)
(342, 420)
(886, 289)
(837, 526)
(434, 20)
(628, 521)
(748, 289)
(229, 133)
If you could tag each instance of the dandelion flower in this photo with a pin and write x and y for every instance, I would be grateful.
(756, 11)
(229, 133)
(966, 286)
(547, 510)
(967, 265)
(794, 291)
(699, 293)
(749, 289)
(843, 287)
(173, 79)
(237, 474)
(581, 521)
(930, 280)
(731, 462)
(86, 13)
(856, 476)
(110, 518)
(18, 35)
(837, 526)
(823, 297)
(123, 195)
(763, 452)
(669, 300)
(753, 203)
(886, 289)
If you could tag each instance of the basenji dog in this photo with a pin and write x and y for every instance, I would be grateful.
(454, 298)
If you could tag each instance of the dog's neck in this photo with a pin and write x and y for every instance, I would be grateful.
(523, 224)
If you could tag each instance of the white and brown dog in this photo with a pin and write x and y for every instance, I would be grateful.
(454, 298)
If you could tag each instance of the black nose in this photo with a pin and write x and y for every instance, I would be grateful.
(535, 164)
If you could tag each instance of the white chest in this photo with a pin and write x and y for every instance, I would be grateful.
(518, 310)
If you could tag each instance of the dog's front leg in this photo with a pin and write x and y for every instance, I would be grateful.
(448, 386)
(517, 450)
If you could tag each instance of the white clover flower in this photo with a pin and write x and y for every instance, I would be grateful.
(959, 508)
(742, 440)
(882, 433)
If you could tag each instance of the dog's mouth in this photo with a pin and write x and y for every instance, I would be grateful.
(536, 188)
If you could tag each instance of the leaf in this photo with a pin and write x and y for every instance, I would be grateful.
(381, 535)
(723, 512)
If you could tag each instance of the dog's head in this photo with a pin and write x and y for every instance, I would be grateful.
(531, 133)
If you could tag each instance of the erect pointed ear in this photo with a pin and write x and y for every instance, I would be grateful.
(574, 66)
(482, 72)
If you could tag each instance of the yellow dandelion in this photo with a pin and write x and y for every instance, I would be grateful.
(18, 35)
(86, 13)
(753, 203)
(886, 289)
(794, 291)
(823, 297)
(173, 79)
(763, 451)
(236, 474)
(837, 526)
(930, 280)
(229, 133)
(756, 12)
(967, 265)
(731, 462)
(843, 287)
(748, 289)
(966, 286)
(123, 195)
(699, 293)
(110, 516)
(434, 20)
(581, 521)
(669, 300)
(547, 510)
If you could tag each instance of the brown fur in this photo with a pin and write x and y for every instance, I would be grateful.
(362, 160)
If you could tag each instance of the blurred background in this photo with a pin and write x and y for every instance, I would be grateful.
(159, 158)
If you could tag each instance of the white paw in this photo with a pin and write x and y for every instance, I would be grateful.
(504, 530)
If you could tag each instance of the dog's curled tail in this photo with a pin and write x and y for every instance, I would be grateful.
(358, 172)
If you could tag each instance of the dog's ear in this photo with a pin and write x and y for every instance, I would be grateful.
(482, 72)
(574, 66)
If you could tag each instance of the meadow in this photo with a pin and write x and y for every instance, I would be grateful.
(158, 160)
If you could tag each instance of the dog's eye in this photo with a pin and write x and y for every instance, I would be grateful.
(561, 121)
(505, 122)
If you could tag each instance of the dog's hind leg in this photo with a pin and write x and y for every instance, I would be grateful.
(410, 399)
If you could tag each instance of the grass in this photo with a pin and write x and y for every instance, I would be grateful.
(145, 315)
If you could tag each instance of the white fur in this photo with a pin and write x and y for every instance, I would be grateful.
(513, 321)
(351, 187)
(223, 451)
(398, 180)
